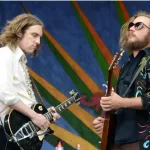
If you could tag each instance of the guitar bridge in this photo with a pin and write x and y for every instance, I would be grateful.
(26, 131)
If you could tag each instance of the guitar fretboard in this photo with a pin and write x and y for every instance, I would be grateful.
(61, 107)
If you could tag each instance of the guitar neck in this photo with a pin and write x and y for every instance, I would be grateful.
(107, 136)
(60, 108)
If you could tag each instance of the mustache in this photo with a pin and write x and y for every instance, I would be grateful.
(131, 34)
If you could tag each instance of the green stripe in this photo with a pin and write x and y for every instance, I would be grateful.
(77, 124)
(52, 139)
(97, 52)
(119, 13)
(71, 73)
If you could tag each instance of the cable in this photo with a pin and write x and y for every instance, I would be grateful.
(6, 145)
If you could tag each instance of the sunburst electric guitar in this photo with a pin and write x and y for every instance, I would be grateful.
(24, 133)
(107, 135)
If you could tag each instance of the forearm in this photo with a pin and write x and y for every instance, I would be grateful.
(133, 103)
(24, 109)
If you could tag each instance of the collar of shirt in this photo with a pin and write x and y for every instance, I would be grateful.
(147, 51)
(19, 55)
(144, 52)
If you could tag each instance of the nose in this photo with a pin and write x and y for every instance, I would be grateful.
(38, 40)
(132, 28)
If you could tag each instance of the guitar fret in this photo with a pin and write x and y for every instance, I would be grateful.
(69, 102)
(49, 116)
(64, 105)
(35, 128)
(46, 115)
(59, 109)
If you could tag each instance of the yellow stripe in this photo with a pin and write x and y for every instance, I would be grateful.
(92, 86)
(80, 113)
(71, 138)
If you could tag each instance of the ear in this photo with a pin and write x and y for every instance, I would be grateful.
(19, 35)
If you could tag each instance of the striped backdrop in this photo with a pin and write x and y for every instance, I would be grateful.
(79, 42)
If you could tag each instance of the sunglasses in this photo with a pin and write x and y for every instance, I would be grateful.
(137, 25)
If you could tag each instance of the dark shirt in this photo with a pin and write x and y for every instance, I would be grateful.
(142, 117)
(126, 128)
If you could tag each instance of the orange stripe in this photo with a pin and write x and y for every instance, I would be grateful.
(104, 50)
(124, 11)
(79, 71)
(80, 113)
(92, 86)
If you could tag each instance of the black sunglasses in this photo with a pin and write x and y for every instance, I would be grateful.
(137, 25)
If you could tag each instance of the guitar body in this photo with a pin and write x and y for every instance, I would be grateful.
(108, 131)
(24, 133)
(15, 120)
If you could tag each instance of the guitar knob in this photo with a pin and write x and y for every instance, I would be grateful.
(38, 144)
(34, 140)
(33, 148)
(40, 108)
(28, 142)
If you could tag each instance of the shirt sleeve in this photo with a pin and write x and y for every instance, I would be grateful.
(143, 86)
(8, 95)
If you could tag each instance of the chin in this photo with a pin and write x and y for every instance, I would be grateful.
(29, 53)
(131, 40)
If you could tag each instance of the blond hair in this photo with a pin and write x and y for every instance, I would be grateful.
(17, 25)
(124, 28)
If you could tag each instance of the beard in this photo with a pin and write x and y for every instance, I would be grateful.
(137, 44)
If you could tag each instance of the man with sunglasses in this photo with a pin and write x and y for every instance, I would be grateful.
(132, 126)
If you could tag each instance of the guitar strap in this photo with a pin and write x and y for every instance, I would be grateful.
(142, 65)
(37, 92)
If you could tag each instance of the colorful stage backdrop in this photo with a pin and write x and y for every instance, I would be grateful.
(79, 42)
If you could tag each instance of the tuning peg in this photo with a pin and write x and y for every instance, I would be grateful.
(122, 52)
(72, 92)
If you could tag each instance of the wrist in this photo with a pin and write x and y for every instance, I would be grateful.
(33, 115)
(124, 102)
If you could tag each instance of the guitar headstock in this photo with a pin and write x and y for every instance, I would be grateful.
(75, 96)
(116, 59)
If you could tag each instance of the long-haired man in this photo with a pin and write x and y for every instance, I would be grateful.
(22, 35)
(133, 121)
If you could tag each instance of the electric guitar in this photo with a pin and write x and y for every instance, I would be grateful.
(107, 136)
(24, 133)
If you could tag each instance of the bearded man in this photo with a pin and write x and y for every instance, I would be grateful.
(133, 121)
